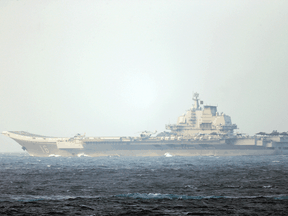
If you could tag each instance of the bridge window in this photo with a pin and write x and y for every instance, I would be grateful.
(205, 126)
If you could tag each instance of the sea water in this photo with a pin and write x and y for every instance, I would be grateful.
(167, 185)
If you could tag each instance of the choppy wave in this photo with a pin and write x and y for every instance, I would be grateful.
(165, 196)
(31, 198)
(172, 178)
(185, 197)
(158, 196)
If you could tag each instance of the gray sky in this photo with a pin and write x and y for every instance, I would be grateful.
(120, 67)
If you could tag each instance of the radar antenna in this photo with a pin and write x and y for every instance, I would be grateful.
(195, 98)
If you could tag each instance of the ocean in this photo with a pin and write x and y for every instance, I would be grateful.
(201, 185)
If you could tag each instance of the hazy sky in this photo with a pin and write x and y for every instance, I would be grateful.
(120, 67)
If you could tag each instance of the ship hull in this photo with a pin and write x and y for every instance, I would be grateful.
(45, 149)
(41, 146)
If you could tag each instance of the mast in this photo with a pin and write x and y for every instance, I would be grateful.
(196, 101)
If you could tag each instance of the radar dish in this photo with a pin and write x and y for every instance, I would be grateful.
(196, 95)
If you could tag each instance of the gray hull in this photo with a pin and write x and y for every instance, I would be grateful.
(45, 149)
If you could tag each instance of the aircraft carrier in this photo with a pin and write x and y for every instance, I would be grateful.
(202, 130)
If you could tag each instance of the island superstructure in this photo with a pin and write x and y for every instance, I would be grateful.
(202, 130)
(204, 119)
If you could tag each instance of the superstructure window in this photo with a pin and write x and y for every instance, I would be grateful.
(205, 126)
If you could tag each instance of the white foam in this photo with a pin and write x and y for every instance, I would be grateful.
(53, 155)
(276, 161)
(167, 154)
(82, 155)
(190, 186)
